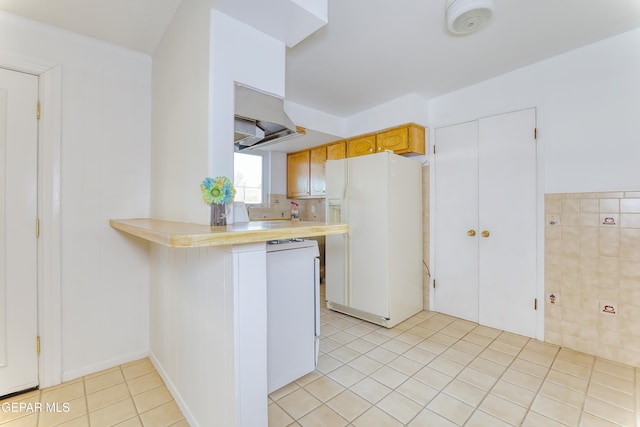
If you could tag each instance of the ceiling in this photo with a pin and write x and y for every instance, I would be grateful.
(373, 51)
(135, 24)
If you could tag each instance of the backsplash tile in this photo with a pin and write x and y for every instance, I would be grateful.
(279, 207)
(592, 260)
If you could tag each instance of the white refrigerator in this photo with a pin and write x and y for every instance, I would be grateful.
(375, 271)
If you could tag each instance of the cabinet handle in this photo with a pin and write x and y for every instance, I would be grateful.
(471, 233)
(485, 233)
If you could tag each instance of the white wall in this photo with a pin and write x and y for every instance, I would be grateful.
(588, 102)
(180, 116)
(106, 100)
(410, 108)
(192, 305)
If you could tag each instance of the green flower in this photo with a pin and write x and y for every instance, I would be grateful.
(218, 190)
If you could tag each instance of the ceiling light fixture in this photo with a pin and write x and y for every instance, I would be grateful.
(468, 16)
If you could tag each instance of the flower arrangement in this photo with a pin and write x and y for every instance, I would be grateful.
(218, 190)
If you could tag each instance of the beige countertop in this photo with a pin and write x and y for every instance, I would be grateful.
(186, 235)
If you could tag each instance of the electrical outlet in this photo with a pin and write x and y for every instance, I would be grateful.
(609, 308)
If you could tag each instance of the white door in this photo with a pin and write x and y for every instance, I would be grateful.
(18, 244)
(456, 216)
(507, 211)
(485, 221)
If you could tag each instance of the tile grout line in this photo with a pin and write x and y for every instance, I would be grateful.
(126, 381)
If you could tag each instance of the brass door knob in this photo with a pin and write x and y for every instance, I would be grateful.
(485, 233)
(471, 233)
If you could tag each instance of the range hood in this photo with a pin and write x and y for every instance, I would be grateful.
(260, 120)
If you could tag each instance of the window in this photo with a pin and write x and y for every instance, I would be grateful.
(249, 177)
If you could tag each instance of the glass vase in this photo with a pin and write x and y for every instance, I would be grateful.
(218, 215)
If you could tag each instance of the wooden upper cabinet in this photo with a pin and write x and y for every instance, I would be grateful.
(298, 174)
(406, 139)
(397, 139)
(337, 151)
(361, 146)
(318, 158)
(306, 169)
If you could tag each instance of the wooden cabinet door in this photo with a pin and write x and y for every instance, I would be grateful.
(298, 174)
(318, 157)
(361, 146)
(394, 140)
(337, 151)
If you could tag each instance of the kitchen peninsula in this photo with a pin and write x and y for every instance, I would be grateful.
(187, 235)
(208, 313)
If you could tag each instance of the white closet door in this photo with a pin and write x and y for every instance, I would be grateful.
(507, 210)
(456, 214)
(18, 243)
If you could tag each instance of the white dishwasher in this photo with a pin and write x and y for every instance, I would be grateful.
(293, 310)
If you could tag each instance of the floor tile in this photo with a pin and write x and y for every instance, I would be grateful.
(371, 390)
(428, 418)
(322, 416)
(113, 414)
(534, 419)
(346, 376)
(365, 364)
(277, 416)
(555, 410)
(615, 397)
(465, 392)
(298, 403)
(107, 396)
(432, 377)
(450, 408)
(399, 407)
(502, 409)
(146, 382)
(609, 412)
(431, 370)
(482, 419)
(446, 366)
(162, 416)
(101, 382)
(153, 398)
(76, 408)
(417, 391)
(563, 394)
(376, 417)
(389, 377)
(324, 388)
(349, 405)
(137, 369)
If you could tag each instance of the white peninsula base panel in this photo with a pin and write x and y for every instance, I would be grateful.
(208, 331)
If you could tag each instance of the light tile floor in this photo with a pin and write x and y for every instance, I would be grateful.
(431, 370)
(437, 370)
(131, 395)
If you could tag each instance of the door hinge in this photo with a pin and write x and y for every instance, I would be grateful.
(535, 133)
(37, 227)
(38, 110)
(38, 345)
(434, 149)
(434, 283)
(535, 303)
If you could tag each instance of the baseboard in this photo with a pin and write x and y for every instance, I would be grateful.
(174, 392)
(92, 369)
